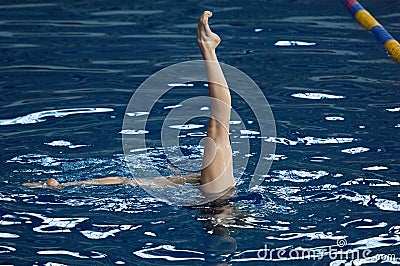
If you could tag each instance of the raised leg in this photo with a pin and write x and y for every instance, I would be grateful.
(217, 170)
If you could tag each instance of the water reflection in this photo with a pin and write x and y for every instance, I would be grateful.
(335, 103)
(221, 219)
(216, 218)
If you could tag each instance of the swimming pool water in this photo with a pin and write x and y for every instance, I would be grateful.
(68, 70)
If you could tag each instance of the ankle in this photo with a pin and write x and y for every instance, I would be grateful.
(208, 53)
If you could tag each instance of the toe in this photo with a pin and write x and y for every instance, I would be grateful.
(204, 17)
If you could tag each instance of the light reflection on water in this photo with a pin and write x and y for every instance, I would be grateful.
(68, 71)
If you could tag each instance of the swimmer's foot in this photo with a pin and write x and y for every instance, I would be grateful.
(51, 183)
(207, 39)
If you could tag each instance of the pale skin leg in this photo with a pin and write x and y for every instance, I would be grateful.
(217, 171)
(53, 183)
(111, 180)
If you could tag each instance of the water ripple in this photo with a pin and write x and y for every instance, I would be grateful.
(46, 68)
(296, 176)
(370, 200)
(308, 140)
(126, 12)
(72, 34)
(8, 235)
(66, 23)
(38, 117)
(333, 178)
(36, 5)
(80, 255)
(54, 225)
(364, 224)
(105, 231)
(316, 96)
(6, 249)
(169, 253)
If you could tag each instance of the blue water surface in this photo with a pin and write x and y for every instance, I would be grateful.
(68, 70)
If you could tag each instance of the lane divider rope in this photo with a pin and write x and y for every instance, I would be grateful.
(371, 24)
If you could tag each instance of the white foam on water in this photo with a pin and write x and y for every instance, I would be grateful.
(319, 159)
(64, 143)
(275, 157)
(41, 159)
(186, 126)
(308, 140)
(364, 223)
(377, 242)
(294, 43)
(99, 235)
(397, 109)
(137, 114)
(173, 106)
(249, 132)
(316, 96)
(284, 141)
(334, 118)
(156, 253)
(59, 143)
(111, 230)
(133, 132)
(355, 150)
(180, 85)
(6, 249)
(197, 134)
(375, 168)
(314, 140)
(296, 176)
(54, 264)
(310, 236)
(139, 150)
(96, 255)
(55, 225)
(368, 200)
(372, 182)
(38, 117)
(8, 199)
(8, 235)
(147, 233)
